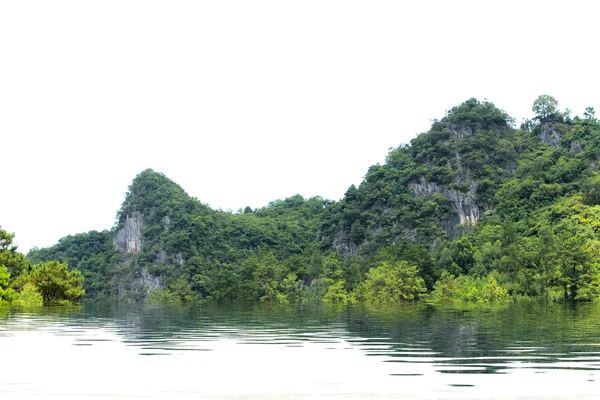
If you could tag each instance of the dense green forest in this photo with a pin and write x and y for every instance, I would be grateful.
(473, 210)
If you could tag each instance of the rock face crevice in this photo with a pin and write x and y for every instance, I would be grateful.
(344, 245)
(149, 282)
(549, 135)
(128, 239)
(465, 208)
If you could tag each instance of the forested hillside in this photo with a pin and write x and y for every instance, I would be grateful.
(474, 210)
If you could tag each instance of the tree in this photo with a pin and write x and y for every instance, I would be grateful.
(544, 107)
(315, 270)
(55, 282)
(336, 293)
(182, 289)
(446, 262)
(28, 296)
(14, 262)
(444, 290)
(464, 254)
(578, 269)
(590, 113)
(392, 283)
(6, 292)
(267, 276)
(492, 292)
(291, 290)
(591, 189)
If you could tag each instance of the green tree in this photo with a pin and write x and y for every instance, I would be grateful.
(227, 283)
(591, 189)
(55, 282)
(446, 263)
(315, 270)
(544, 107)
(492, 292)
(268, 276)
(6, 292)
(28, 296)
(14, 261)
(464, 254)
(336, 293)
(590, 113)
(392, 283)
(162, 296)
(449, 289)
(182, 289)
(467, 289)
(577, 268)
(444, 289)
(291, 293)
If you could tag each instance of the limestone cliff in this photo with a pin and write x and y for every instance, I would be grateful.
(549, 135)
(464, 205)
(128, 239)
(138, 284)
(149, 234)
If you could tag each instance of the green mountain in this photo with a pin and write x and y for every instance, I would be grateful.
(472, 210)
(164, 237)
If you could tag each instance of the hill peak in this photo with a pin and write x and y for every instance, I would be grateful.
(154, 195)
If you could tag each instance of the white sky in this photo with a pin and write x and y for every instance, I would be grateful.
(245, 102)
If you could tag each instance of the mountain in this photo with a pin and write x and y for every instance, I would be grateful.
(163, 234)
(472, 202)
(446, 178)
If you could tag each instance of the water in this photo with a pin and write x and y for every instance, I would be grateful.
(414, 351)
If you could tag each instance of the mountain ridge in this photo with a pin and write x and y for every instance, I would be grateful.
(431, 205)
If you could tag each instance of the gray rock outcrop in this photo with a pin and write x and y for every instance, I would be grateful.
(549, 135)
(467, 210)
(139, 285)
(128, 239)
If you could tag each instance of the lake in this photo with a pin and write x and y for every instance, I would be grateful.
(414, 351)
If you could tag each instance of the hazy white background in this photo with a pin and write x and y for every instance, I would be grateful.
(245, 102)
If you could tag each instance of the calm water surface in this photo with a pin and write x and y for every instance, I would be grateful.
(415, 351)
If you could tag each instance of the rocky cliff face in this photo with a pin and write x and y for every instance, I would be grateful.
(136, 283)
(138, 287)
(549, 136)
(465, 210)
(128, 239)
(344, 246)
